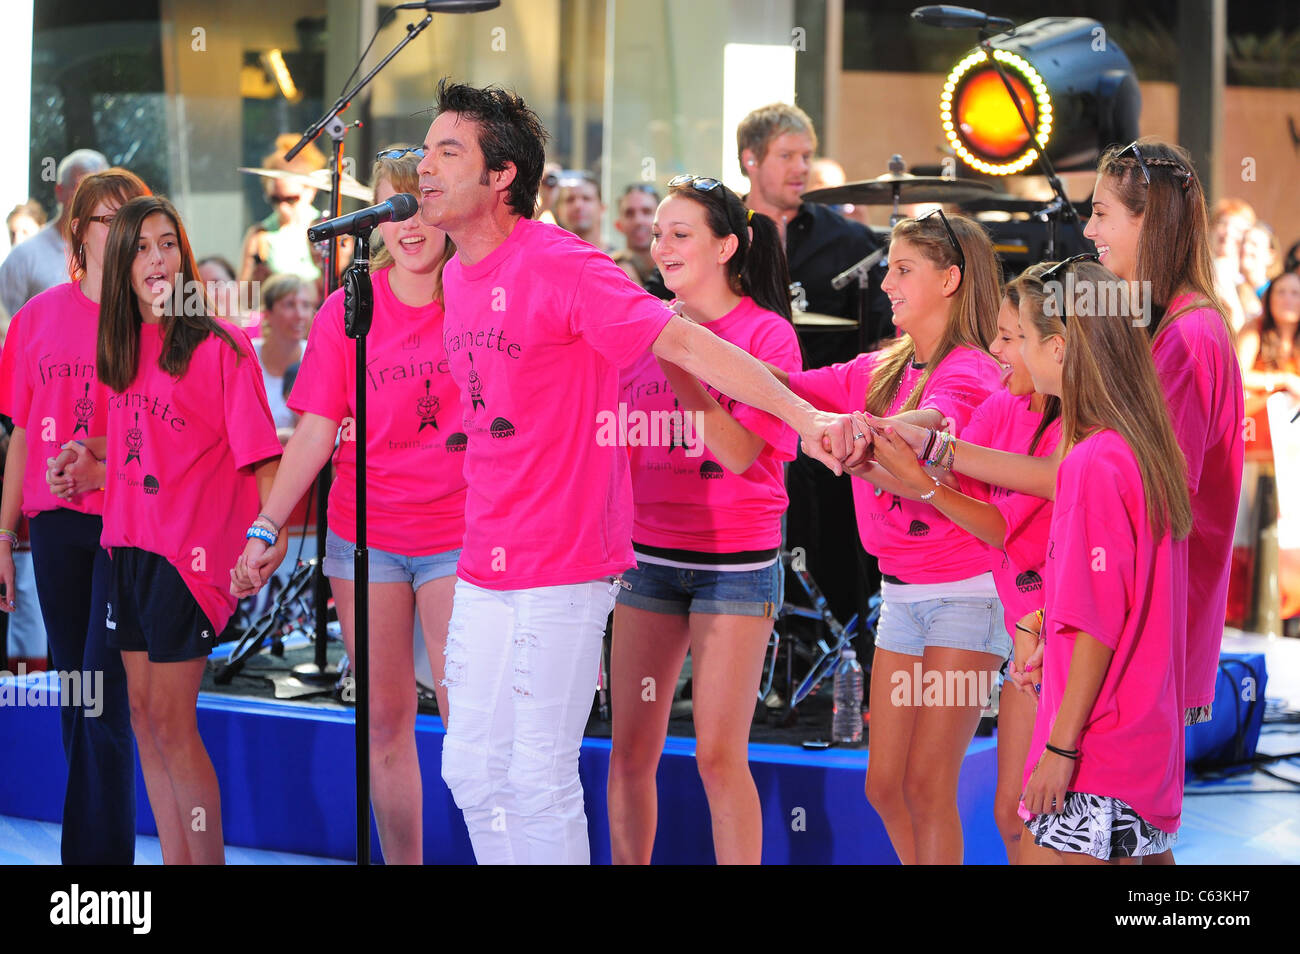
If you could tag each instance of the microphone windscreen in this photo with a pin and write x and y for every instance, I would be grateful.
(404, 206)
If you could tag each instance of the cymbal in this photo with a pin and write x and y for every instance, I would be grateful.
(812, 321)
(904, 189)
(318, 180)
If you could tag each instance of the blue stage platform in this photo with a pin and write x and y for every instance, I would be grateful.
(287, 781)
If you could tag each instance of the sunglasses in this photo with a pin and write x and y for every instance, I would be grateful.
(284, 199)
(645, 187)
(106, 219)
(698, 183)
(399, 153)
(1184, 175)
(1059, 267)
(952, 237)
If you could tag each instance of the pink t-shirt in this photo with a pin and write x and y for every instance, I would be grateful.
(913, 542)
(415, 445)
(1109, 576)
(179, 457)
(535, 333)
(685, 499)
(48, 386)
(1005, 422)
(1201, 379)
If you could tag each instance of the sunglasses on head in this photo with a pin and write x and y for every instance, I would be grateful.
(1060, 267)
(698, 183)
(1184, 175)
(399, 153)
(952, 237)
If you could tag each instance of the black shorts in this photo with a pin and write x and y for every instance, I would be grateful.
(151, 609)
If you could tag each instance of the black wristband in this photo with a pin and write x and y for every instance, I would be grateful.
(1071, 754)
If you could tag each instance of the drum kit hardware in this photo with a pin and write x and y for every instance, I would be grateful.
(318, 180)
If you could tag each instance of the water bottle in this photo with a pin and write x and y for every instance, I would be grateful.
(846, 724)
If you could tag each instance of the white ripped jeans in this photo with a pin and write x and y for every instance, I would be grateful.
(521, 673)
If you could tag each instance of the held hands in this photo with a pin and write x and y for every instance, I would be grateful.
(74, 471)
(1026, 666)
(255, 566)
(896, 456)
(833, 439)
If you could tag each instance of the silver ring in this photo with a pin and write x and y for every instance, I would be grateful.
(858, 437)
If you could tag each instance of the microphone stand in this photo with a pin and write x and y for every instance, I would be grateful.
(860, 272)
(1060, 210)
(358, 305)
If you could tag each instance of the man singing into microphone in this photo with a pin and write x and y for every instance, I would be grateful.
(537, 325)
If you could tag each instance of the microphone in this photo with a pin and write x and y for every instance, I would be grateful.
(958, 18)
(451, 6)
(400, 207)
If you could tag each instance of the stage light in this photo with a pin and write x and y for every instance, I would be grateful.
(1075, 85)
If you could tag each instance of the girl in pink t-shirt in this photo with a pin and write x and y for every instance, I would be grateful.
(708, 486)
(48, 386)
(1019, 419)
(1149, 224)
(190, 443)
(941, 612)
(415, 500)
(1104, 780)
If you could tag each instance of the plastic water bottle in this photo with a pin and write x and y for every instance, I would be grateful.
(846, 723)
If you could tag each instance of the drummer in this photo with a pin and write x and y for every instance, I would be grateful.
(278, 243)
(776, 146)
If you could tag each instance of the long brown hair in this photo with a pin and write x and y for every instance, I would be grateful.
(972, 310)
(1109, 382)
(118, 184)
(1028, 286)
(1173, 252)
(401, 174)
(119, 306)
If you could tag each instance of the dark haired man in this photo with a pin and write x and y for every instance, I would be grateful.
(537, 325)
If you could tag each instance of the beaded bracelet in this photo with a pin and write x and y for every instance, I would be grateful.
(13, 537)
(261, 533)
(937, 485)
(941, 442)
(952, 454)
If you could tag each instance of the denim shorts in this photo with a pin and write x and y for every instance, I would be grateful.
(388, 567)
(668, 589)
(963, 622)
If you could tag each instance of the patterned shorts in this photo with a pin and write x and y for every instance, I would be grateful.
(1100, 826)
(1198, 714)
